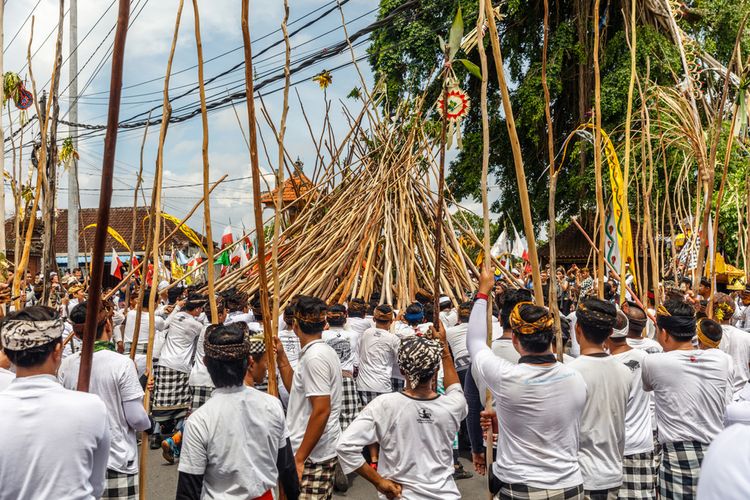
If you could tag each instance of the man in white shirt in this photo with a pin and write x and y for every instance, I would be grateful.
(691, 388)
(724, 472)
(738, 411)
(343, 341)
(456, 337)
(115, 380)
(236, 446)
(237, 306)
(414, 428)
(172, 396)
(538, 402)
(637, 321)
(638, 463)
(742, 314)
(142, 327)
(734, 341)
(356, 321)
(378, 350)
(448, 314)
(55, 442)
(608, 387)
(314, 400)
(200, 382)
(6, 376)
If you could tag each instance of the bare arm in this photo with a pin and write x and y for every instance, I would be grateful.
(321, 410)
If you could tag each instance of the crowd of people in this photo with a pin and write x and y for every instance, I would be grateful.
(641, 402)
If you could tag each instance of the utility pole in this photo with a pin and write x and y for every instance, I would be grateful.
(72, 132)
(2, 136)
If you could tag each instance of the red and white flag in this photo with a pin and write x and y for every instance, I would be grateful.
(116, 266)
(227, 238)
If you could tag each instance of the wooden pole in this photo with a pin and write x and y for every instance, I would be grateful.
(206, 168)
(515, 145)
(440, 189)
(105, 197)
(257, 209)
(598, 157)
(628, 121)
(552, 275)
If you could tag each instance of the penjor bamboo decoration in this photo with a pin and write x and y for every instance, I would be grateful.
(601, 209)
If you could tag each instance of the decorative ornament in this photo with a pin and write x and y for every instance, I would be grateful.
(457, 108)
(68, 153)
(13, 88)
(324, 79)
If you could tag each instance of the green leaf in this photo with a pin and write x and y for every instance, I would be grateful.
(441, 42)
(471, 67)
(456, 34)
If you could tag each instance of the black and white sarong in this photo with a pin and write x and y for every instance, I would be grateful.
(171, 391)
(680, 468)
(120, 486)
(349, 402)
(638, 476)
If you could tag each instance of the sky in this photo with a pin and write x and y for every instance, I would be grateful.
(147, 50)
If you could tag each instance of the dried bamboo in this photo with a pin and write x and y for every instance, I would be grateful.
(601, 209)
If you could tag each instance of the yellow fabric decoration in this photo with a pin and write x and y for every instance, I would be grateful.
(114, 234)
(713, 344)
(523, 327)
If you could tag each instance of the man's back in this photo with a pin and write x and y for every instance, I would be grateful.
(608, 384)
(179, 345)
(377, 355)
(736, 343)
(55, 442)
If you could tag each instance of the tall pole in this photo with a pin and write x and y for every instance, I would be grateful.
(105, 197)
(2, 136)
(72, 132)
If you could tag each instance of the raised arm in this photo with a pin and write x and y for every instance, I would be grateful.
(476, 336)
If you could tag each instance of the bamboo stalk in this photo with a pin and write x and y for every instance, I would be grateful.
(598, 156)
(105, 197)
(440, 189)
(517, 157)
(261, 255)
(628, 120)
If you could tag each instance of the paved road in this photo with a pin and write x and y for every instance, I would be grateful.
(162, 482)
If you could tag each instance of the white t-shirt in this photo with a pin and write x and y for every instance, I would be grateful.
(416, 442)
(290, 342)
(456, 336)
(55, 442)
(449, 318)
(742, 316)
(736, 343)
(318, 373)
(638, 428)
(502, 348)
(341, 341)
(645, 344)
(540, 409)
(199, 376)
(234, 440)
(359, 325)
(608, 384)
(738, 412)
(691, 390)
(6, 377)
(129, 328)
(247, 318)
(724, 469)
(179, 346)
(378, 354)
(115, 380)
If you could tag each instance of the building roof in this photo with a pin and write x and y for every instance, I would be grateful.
(120, 219)
(294, 187)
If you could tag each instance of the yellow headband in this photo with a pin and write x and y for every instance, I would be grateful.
(712, 344)
(662, 311)
(523, 327)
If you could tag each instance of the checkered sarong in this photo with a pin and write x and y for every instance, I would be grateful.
(397, 384)
(679, 470)
(366, 396)
(317, 480)
(524, 492)
(120, 486)
(349, 402)
(140, 348)
(171, 389)
(201, 393)
(638, 476)
(608, 494)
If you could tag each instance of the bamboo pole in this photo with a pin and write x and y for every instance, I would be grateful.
(206, 168)
(440, 189)
(154, 240)
(517, 157)
(105, 197)
(628, 121)
(598, 156)
(257, 209)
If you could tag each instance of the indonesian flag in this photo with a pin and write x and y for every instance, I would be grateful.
(227, 238)
(236, 255)
(116, 266)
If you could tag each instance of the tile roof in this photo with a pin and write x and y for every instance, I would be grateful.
(294, 187)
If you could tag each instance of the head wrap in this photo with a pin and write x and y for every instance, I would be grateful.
(723, 307)
(419, 358)
(703, 338)
(357, 307)
(314, 318)
(257, 345)
(523, 327)
(336, 315)
(589, 318)
(75, 289)
(379, 315)
(20, 335)
(620, 333)
(163, 285)
(229, 352)
(678, 325)
(444, 300)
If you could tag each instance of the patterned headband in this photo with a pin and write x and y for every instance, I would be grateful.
(21, 335)
(523, 327)
(419, 358)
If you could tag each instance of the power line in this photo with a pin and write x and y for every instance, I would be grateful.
(22, 26)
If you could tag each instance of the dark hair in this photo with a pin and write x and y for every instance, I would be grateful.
(257, 309)
(226, 373)
(339, 317)
(445, 306)
(310, 307)
(564, 328)
(636, 320)
(429, 313)
(384, 309)
(464, 311)
(711, 329)
(688, 281)
(34, 356)
(598, 329)
(235, 300)
(145, 301)
(195, 301)
(540, 340)
(681, 319)
(220, 307)
(415, 308)
(705, 282)
(174, 294)
(608, 291)
(510, 299)
(423, 296)
(357, 308)
(78, 317)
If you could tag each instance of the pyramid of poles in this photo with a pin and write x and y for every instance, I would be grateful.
(369, 225)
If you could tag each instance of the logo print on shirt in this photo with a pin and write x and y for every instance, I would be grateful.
(424, 416)
(633, 365)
